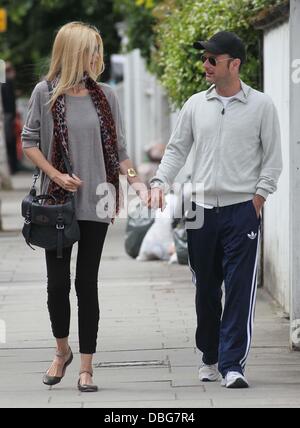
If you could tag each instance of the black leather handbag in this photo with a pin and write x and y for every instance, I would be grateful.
(52, 227)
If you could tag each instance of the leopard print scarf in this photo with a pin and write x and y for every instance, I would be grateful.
(108, 136)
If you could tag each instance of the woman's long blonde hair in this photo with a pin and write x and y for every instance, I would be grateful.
(73, 52)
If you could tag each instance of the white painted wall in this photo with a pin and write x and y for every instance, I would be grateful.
(146, 109)
(276, 214)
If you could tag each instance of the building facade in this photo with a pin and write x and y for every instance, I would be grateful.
(281, 245)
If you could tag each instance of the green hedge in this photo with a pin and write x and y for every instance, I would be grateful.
(165, 30)
(178, 64)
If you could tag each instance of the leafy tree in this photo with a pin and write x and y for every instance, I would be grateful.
(142, 18)
(140, 22)
(179, 65)
(32, 26)
(165, 30)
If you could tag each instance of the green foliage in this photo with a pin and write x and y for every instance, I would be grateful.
(178, 64)
(166, 31)
(142, 17)
(32, 26)
(139, 22)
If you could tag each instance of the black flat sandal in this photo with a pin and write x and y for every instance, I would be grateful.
(54, 380)
(84, 387)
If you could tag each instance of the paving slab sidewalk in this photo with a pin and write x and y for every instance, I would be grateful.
(146, 352)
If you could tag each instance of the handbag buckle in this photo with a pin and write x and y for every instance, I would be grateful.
(60, 226)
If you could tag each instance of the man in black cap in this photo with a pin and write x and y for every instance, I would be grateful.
(224, 56)
(235, 133)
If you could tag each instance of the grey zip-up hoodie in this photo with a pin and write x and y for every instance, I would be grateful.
(237, 148)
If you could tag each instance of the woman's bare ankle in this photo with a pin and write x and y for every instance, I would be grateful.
(62, 346)
(63, 352)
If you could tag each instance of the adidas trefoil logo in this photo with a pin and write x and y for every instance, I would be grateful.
(252, 235)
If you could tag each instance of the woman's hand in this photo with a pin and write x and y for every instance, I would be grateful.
(71, 184)
(157, 199)
(144, 196)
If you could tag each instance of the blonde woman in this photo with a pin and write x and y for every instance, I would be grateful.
(70, 110)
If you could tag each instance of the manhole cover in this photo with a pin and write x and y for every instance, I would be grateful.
(154, 363)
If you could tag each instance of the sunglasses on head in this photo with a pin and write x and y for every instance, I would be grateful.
(213, 60)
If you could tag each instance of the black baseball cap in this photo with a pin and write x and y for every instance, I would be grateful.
(224, 42)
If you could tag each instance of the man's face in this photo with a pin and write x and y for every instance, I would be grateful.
(221, 72)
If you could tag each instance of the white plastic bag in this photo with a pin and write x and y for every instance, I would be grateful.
(158, 243)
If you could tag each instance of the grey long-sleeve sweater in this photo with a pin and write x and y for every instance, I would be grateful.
(84, 142)
(237, 148)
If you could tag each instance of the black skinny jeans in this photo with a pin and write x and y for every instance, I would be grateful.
(90, 249)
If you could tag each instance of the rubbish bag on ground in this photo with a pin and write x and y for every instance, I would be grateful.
(181, 244)
(138, 223)
(158, 243)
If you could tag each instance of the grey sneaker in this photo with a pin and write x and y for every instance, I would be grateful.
(235, 380)
(209, 373)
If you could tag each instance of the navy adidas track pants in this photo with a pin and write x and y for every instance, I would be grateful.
(225, 249)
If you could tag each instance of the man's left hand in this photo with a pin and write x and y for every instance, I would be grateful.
(258, 202)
